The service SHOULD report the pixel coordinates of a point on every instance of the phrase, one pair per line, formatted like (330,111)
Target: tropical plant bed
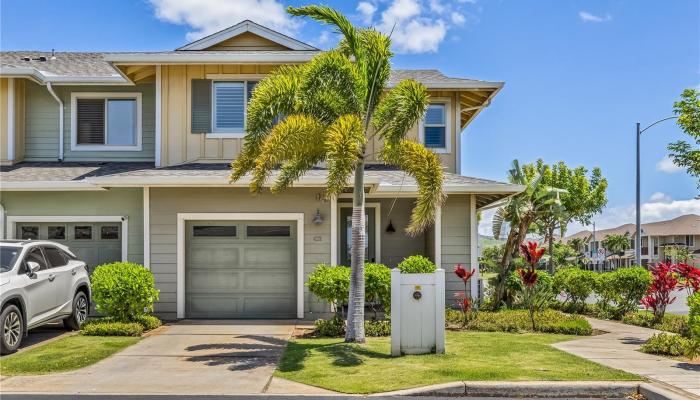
(65,354)
(470,356)
(547,321)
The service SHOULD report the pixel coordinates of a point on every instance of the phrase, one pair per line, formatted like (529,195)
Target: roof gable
(247,35)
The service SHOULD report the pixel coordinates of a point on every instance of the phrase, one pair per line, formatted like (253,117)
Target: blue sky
(578,74)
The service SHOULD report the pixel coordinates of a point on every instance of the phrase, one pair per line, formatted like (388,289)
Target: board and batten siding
(455,242)
(42,124)
(127,202)
(166,203)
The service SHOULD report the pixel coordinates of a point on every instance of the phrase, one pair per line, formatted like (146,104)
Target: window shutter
(91,121)
(201,105)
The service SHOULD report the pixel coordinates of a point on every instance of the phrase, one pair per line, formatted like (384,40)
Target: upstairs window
(435,127)
(106,121)
(230,103)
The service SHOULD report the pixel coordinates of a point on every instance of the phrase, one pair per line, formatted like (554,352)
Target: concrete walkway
(618,349)
(186,358)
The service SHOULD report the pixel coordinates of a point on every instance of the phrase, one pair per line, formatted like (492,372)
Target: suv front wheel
(12,329)
(81,307)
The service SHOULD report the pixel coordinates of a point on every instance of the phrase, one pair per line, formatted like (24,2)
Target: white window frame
(74,146)
(220,78)
(448,126)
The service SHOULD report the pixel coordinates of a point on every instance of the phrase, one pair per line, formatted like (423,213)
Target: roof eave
(194,57)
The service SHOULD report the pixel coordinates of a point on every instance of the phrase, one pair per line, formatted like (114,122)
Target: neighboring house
(124,156)
(683,231)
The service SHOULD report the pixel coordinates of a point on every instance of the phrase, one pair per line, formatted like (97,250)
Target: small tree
(659,293)
(616,244)
(684,154)
(534,301)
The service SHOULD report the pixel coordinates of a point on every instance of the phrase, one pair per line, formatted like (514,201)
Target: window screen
(121,122)
(229,106)
(214,230)
(90,121)
(268,231)
(434,126)
(30,232)
(55,257)
(109,232)
(83,232)
(57,232)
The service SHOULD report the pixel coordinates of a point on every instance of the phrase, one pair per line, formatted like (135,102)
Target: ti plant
(659,295)
(464,302)
(534,301)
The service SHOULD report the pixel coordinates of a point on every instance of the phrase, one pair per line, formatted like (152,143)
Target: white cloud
(667,165)
(367,10)
(457,18)
(437,7)
(467,1)
(208,16)
(588,17)
(659,197)
(412,31)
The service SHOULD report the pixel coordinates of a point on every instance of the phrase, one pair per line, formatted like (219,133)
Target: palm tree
(521,211)
(616,244)
(577,244)
(331,107)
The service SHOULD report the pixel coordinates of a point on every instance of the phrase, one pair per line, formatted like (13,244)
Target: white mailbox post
(417,313)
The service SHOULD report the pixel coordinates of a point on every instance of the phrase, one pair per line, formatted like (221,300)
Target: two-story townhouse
(124,156)
(656,238)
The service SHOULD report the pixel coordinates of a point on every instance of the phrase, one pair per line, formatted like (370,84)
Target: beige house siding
(166,203)
(455,241)
(179,145)
(18,106)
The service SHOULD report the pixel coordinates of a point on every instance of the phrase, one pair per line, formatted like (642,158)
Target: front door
(346,235)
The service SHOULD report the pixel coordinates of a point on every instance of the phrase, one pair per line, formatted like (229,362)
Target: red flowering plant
(689,277)
(464,302)
(533,299)
(664,281)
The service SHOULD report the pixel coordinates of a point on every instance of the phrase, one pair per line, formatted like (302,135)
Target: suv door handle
(52,277)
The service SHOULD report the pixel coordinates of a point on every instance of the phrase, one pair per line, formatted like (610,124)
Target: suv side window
(37,256)
(55,257)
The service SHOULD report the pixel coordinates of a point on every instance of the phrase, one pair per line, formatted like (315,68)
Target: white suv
(40,282)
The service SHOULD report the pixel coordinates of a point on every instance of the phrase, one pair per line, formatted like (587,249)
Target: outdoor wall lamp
(318,218)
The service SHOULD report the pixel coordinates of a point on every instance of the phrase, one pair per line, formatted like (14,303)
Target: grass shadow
(342,354)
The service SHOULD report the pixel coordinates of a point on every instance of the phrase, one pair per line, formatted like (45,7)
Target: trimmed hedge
(335,327)
(548,321)
(101,328)
(416,265)
(671,323)
(148,322)
(666,344)
(123,290)
(145,321)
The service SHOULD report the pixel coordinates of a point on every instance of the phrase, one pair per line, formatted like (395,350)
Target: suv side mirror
(33,268)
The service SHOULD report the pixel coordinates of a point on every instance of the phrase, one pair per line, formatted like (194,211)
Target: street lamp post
(638,234)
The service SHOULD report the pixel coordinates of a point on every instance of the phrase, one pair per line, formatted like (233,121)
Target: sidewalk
(618,349)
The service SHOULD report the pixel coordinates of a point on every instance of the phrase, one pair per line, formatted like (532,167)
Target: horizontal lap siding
(113,202)
(166,203)
(455,242)
(41,131)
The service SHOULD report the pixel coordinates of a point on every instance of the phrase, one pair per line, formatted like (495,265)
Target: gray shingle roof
(65,63)
(430,77)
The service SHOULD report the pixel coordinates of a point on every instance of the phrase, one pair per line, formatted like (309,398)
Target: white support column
(334,230)
(438,237)
(158,116)
(474,246)
(10,119)
(458,135)
(147,227)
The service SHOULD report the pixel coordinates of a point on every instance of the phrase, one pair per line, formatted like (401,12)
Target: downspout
(60,120)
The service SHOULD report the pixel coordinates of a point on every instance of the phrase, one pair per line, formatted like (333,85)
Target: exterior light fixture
(318,218)
(390,228)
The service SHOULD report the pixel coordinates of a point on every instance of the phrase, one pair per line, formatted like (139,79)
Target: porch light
(390,228)
(318,218)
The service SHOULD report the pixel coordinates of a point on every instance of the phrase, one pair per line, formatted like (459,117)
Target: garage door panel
(240,276)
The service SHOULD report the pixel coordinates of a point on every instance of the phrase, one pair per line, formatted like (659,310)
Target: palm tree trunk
(355,331)
(514,240)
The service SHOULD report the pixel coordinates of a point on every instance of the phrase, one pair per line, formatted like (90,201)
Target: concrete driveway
(188,357)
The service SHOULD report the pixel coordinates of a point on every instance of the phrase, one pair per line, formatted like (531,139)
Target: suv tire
(81,308)
(12,329)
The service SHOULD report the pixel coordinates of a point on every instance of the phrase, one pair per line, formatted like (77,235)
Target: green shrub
(330,283)
(378,284)
(101,328)
(416,265)
(629,285)
(666,344)
(123,290)
(671,322)
(549,321)
(694,316)
(334,327)
(378,328)
(576,284)
(148,322)
(603,287)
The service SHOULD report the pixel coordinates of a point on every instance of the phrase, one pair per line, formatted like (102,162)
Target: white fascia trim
(465,188)
(465,85)
(123,219)
(247,26)
(11,119)
(159,107)
(473,247)
(47,186)
(377,230)
(194,57)
(74,96)
(183,217)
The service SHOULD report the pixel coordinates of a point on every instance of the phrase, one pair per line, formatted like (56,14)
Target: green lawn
(65,354)
(470,356)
